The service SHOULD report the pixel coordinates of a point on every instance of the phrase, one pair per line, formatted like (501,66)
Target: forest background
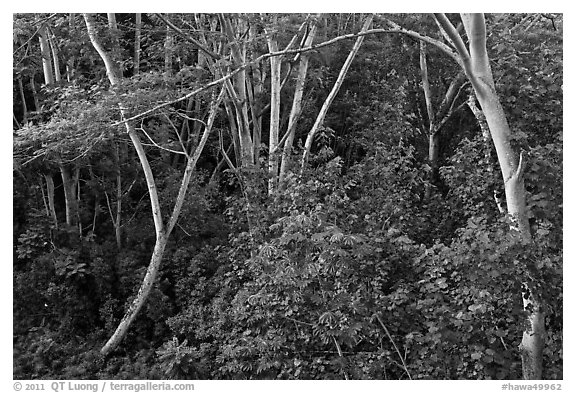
(339,369)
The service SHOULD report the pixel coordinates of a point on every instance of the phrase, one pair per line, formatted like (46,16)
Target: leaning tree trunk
(476,64)
(162,231)
(322,114)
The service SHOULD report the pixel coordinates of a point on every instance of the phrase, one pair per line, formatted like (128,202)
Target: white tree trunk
(333,92)
(46,58)
(162,231)
(275,67)
(137,38)
(476,64)
(296,105)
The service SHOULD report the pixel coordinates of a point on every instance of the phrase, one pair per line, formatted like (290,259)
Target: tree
(162,230)
(322,114)
(476,64)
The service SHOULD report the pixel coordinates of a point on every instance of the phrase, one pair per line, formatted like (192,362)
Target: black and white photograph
(321,196)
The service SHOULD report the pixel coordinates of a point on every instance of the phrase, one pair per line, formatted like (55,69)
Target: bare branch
(188,38)
(157,145)
(445,48)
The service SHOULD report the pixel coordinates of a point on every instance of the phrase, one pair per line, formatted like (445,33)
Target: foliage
(349,269)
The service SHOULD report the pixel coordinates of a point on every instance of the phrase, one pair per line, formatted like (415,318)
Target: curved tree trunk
(162,231)
(476,64)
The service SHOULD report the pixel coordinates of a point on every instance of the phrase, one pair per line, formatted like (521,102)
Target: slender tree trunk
(23,98)
(46,60)
(50,195)
(118,220)
(71,60)
(137,39)
(296,105)
(162,231)
(476,64)
(333,92)
(69,183)
(55,57)
(238,93)
(433,137)
(168,49)
(433,158)
(275,67)
(34,93)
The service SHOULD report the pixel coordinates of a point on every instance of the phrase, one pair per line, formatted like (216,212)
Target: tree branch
(188,38)
(445,48)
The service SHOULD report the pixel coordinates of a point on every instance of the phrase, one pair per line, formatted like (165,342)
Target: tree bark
(238,95)
(168,49)
(333,92)
(275,67)
(433,137)
(55,57)
(71,60)
(69,183)
(34,93)
(23,98)
(137,39)
(50,195)
(46,60)
(476,64)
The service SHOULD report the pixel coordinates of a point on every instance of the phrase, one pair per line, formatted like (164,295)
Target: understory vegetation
(369,259)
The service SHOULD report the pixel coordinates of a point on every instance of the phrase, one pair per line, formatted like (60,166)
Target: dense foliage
(350,269)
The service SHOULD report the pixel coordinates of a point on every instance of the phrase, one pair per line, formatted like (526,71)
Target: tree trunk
(141,297)
(476,64)
(69,184)
(275,67)
(118,220)
(237,93)
(23,98)
(50,194)
(296,105)
(433,137)
(162,231)
(55,57)
(70,62)
(433,157)
(46,60)
(168,49)
(34,93)
(333,92)
(137,39)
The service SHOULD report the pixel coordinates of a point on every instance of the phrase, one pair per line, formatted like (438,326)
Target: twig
(394,344)
(340,354)
(157,145)
(399,30)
